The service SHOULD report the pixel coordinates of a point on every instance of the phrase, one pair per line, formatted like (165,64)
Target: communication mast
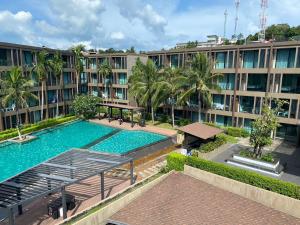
(263,20)
(237,5)
(225,23)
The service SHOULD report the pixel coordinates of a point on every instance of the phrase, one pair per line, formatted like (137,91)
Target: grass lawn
(160,124)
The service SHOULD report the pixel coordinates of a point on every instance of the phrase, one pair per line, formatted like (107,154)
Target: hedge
(212,145)
(232,131)
(34,127)
(176,161)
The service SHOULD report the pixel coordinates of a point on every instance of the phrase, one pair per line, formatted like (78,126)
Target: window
(250,59)
(257,82)
(221,59)
(285,58)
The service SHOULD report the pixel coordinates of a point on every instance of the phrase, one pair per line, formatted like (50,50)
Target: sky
(120,24)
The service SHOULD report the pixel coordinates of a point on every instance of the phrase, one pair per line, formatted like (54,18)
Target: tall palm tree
(104,70)
(78,53)
(56,64)
(17,91)
(142,84)
(169,87)
(200,78)
(41,68)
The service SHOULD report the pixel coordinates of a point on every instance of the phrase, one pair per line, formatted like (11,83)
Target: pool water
(15,158)
(125,141)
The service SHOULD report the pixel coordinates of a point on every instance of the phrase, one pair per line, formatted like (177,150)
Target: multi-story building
(115,86)
(26,57)
(250,74)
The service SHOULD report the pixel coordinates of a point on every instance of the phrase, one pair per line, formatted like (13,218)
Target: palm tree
(104,70)
(142,84)
(17,91)
(41,68)
(56,65)
(78,50)
(169,88)
(200,78)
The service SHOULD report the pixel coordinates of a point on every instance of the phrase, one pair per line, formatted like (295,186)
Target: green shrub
(248,177)
(212,124)
(236,132)
(35,127)
(210,146)
(175,160)
(164,119)
(184,122)
(268,157)
(85,106)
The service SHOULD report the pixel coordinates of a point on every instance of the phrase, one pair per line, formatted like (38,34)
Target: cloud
(145,24)
(117,35)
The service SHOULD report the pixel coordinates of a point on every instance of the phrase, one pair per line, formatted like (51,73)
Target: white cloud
(145,24)
(117,35)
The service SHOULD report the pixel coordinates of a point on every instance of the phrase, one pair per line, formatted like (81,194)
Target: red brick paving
(183,200)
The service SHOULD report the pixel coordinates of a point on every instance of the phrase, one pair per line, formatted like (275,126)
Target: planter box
(274,169)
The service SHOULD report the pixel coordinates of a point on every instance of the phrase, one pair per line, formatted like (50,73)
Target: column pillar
(64,202)
(132,118)
(102,185)
(131,173)
(11,217)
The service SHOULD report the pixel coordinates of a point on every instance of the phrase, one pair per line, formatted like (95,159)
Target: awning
(200,130)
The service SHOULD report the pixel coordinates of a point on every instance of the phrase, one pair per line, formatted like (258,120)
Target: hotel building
(251,72)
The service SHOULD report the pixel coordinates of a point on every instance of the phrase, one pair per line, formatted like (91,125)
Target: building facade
(114,87)
(250,74)
(25,57)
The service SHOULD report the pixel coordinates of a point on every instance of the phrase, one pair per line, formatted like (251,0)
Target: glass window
(285,58)
(290,83)
(262,58)
(250,59)
(221,58)
(257,82)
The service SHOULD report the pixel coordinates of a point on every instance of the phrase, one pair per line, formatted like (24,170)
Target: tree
(131,50)
(41,68)
(142,84)
(85,106)
(56,65)
(200,79)
(264,126)
(169,87)
(77,51)
(17,92)
(104,70)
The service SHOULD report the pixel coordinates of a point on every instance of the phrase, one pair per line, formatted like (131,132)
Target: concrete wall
(101,216)
(270,199)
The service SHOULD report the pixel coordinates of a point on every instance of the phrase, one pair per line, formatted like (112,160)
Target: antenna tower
(225,23)
(237,6)
(263,20)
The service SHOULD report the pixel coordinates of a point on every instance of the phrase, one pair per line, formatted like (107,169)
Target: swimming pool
(125,141)
(16,158)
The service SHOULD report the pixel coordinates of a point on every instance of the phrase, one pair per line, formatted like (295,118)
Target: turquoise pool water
(15,158)
(125,141)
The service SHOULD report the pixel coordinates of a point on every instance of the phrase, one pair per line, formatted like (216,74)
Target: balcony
(257,82)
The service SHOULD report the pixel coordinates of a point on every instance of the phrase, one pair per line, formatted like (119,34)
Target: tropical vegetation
(85,106)
(78,54)
(17,91)
(142,84)
(41,68)
(104,70)
(201,80)
(56,65)
(264,126)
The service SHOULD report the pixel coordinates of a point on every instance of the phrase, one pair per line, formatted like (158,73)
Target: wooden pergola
(132,109)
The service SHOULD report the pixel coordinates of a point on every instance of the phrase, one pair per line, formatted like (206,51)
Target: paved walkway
(180,199)
(127,126)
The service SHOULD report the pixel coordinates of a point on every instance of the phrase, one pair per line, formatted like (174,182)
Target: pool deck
(127,126)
